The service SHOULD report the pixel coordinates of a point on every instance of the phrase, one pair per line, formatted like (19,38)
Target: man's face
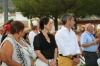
(90,28)
(72,22)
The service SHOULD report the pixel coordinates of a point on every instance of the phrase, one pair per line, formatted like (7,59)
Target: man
(89,44)
(67,43)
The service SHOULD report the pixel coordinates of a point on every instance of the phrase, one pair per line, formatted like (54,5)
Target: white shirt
(67,42)
(0,38)
(31,38)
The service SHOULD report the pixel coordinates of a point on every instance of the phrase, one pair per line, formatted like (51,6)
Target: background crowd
(41,48)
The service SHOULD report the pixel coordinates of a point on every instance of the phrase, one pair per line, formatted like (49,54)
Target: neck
(44,31)
(89,31)
(16,36)
(7,33)
(35,31)
(68,27)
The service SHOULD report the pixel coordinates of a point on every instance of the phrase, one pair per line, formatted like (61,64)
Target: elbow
(6,60)
(38,53)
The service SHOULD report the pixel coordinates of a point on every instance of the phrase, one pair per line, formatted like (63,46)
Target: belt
(74,56)
(62,55)
(89,52)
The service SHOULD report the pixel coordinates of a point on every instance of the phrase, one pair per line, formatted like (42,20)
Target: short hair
(16,27)
(66,17)
(87,25)
(43,21)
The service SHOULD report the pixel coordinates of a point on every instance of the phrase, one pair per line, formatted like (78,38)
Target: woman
(79,32)
(6,27)
(14,50)
(26,37)
(45,45)
(34,32)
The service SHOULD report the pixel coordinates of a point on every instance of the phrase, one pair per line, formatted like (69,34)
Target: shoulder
(84,34)
(11,40)
(51,35)
(37,36)
(31,33)
(60,31)
(7,42)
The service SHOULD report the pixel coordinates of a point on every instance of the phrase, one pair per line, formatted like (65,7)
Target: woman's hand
(53,63)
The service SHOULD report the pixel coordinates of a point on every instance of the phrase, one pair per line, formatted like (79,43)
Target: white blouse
(27,52)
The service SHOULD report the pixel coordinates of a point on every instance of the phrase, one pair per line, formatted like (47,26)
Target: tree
(44,8)
(55,8)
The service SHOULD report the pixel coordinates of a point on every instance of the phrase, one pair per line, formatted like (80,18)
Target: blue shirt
(88,37)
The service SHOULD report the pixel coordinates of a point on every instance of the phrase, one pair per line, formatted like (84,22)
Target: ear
(68,21)
(44,26)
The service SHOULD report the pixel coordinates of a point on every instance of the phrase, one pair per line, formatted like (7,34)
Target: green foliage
(56,8)
(86,7)
(83,65)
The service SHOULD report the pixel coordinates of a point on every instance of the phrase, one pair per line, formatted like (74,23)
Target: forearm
(12,63)
(32,62)
(88,44)
(41,57)
(55,54)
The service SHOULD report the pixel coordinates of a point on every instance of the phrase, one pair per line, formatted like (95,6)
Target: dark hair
(8,22)
(66,17)
(16,27)
(25,35)
(43,21)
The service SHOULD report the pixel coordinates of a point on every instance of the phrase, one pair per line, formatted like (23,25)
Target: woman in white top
(34,32)
(14,50)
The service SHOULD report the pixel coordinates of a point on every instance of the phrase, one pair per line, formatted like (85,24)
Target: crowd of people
(39,47)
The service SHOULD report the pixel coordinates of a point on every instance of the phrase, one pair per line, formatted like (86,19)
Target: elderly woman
(45,45)
(14,50)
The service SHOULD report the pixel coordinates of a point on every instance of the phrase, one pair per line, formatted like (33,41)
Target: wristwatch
(74,57)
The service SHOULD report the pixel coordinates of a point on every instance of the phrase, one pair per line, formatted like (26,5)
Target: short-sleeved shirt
(88,37)
(46,48)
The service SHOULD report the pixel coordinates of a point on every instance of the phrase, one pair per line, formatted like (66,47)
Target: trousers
(41,63)
(65,61)
(90,58)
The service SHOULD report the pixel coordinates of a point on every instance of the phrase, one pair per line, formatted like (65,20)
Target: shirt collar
(66,28)
(88,32)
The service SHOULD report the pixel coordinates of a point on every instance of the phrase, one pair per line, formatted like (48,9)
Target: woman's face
(48,26)
(21,33)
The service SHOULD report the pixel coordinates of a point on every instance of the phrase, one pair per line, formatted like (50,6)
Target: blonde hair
(32,26)
(79,31)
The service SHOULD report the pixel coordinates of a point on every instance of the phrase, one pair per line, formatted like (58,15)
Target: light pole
(5,10)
